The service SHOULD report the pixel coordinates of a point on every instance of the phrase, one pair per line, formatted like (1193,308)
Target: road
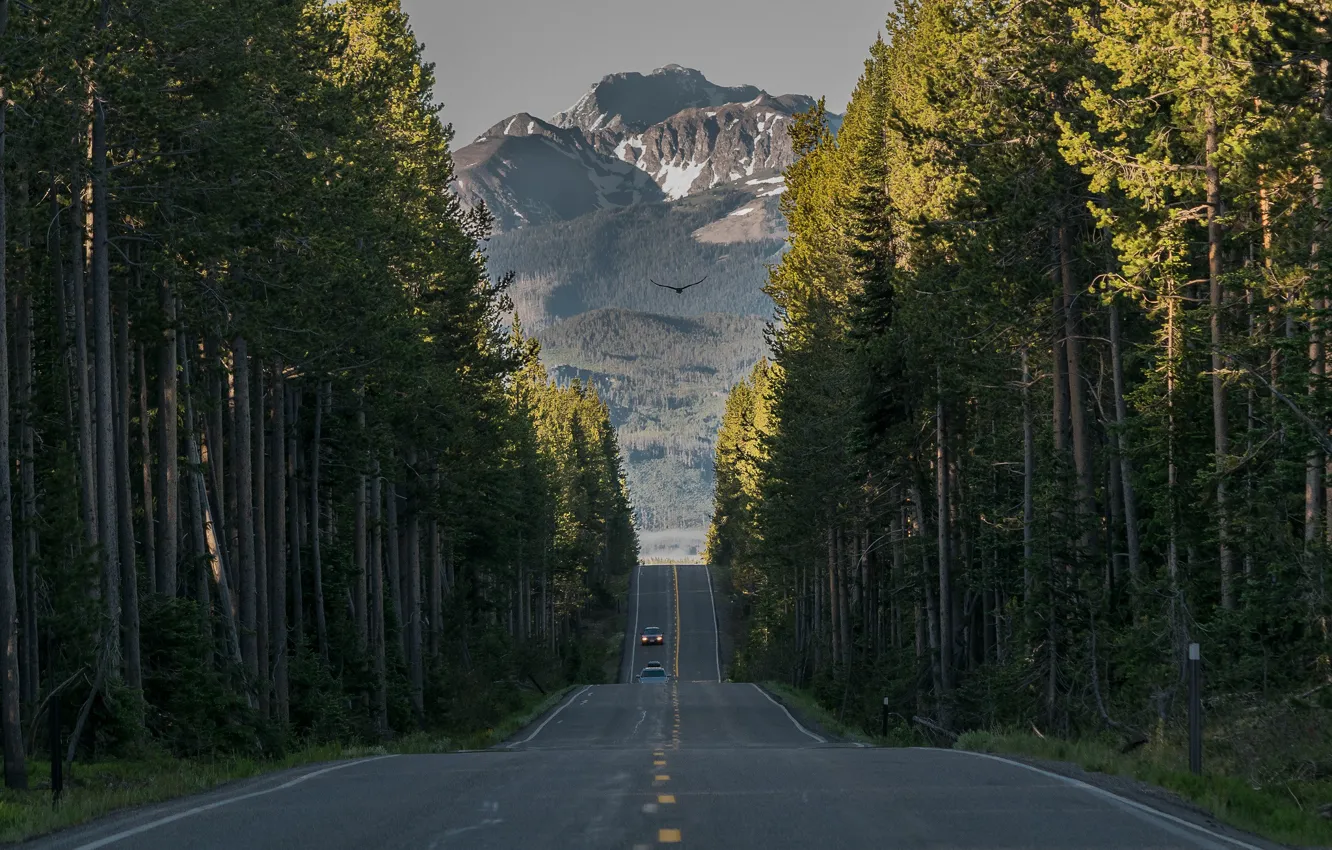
(699,762)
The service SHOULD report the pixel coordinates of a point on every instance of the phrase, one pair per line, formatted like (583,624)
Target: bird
(679,289)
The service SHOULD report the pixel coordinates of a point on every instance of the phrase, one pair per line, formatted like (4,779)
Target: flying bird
(679,289)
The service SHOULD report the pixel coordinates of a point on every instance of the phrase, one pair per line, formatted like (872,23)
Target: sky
(497,57)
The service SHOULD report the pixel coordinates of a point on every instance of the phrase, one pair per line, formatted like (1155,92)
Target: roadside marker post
(1195,709)
(883,730)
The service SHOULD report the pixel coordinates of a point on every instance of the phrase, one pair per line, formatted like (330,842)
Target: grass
(95,789)
(1286,813)
(806,707)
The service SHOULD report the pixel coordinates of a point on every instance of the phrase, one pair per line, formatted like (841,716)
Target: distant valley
(664,176)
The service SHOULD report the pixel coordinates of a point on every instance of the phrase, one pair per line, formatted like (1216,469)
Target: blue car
(653,676)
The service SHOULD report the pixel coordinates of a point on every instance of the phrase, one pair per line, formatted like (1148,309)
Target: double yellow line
(675,578)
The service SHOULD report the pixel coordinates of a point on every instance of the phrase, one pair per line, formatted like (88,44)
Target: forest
(1048,398)
(273,469)
(664,379)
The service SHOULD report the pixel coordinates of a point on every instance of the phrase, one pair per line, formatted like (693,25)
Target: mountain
(528,171)
(631,139)
(663,176)
(636,101)
(605,259)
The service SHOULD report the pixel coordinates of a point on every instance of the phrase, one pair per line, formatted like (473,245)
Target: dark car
(652,635)
(653,676)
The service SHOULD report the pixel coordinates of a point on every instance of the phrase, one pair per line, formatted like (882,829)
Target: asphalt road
(699,762)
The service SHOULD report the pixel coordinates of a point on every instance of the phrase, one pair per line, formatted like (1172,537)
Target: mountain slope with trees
(277,472)
(664,380)
(1049,397)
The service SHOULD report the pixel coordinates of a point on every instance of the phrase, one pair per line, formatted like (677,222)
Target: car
(654,664)
(654,676)
(652,635)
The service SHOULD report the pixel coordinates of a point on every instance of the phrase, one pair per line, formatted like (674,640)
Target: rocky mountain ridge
(632,138)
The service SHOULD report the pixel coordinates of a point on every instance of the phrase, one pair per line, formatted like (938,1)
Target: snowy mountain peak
(635,101)
(630,138)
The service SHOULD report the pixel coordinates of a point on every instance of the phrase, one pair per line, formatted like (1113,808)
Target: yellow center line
(665,798)
(675,578)
(662,777)
(668,836)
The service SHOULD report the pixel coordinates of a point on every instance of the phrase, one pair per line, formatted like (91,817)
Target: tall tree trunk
(277,558)
(394,570)
(56,256)
(413,617)
(378,631)
(146,462)
(294,504)
(211,512)
(87,446)
(927,588)
(1077,411)
(259,406)
(249,601)
(434,606)
(1121,449)
(316,564)
(945,558)
(1214,273)
(11,729)
(202,589)
(168,443)
(1028,481)
(359,544)
(845,585)
(105,387)
(834,610)
(129,574)
(28,669)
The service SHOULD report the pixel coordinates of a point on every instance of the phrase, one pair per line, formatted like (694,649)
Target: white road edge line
(716,633)
(138,830)
(788,715)
(553,715)
(1123,802)
(633,646)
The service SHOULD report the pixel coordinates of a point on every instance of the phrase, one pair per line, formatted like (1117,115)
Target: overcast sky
(497,57)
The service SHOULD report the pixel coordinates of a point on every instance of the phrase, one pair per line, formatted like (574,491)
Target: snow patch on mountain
(677,179)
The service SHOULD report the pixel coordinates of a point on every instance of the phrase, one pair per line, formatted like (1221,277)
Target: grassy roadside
(1286,813)
(99,788)
(811,713)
